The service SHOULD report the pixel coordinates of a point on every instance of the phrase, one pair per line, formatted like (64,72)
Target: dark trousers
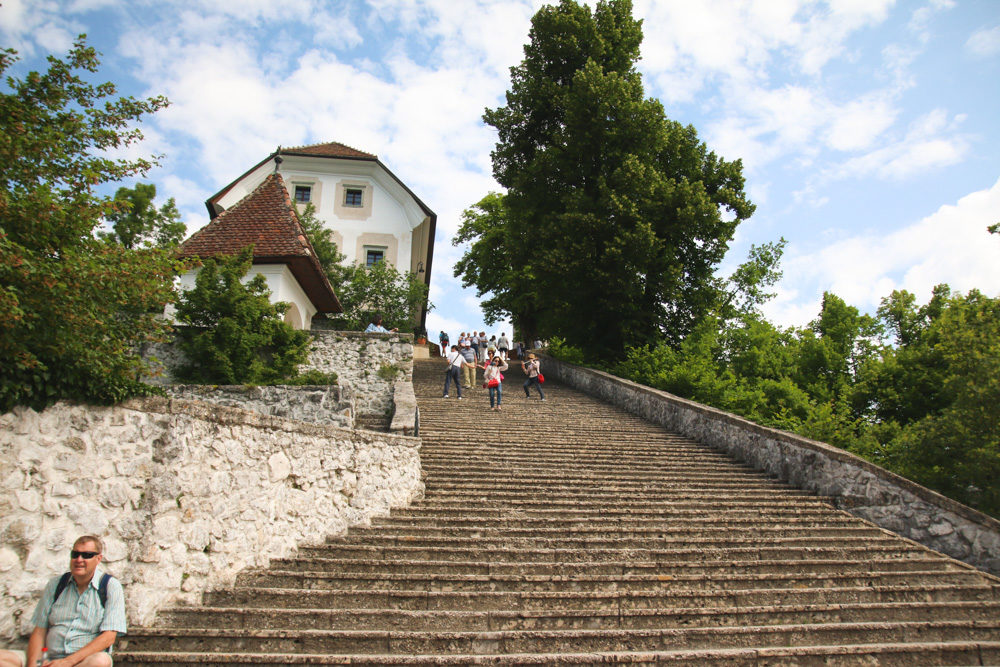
(452,374)
(533,381)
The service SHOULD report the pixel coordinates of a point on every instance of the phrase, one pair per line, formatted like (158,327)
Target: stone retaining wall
(368,366)
(316,404)
(857,486)
(187,494)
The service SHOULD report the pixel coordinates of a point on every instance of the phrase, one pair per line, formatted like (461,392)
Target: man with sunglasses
(79,625)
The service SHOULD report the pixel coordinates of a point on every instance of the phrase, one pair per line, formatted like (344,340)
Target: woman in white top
(493,374)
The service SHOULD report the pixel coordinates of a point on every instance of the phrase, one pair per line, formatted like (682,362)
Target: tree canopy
(136,222)
(73,309)
(615,217)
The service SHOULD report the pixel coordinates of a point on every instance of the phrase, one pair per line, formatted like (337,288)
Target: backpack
(102,588)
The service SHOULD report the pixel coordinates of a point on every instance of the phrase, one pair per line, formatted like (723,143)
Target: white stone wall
(357,358)
(315,404)
(185,494)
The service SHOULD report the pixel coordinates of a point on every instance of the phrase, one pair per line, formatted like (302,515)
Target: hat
(531,356)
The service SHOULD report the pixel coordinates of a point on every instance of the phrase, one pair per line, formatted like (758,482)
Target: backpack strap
(102,587)
(61,586)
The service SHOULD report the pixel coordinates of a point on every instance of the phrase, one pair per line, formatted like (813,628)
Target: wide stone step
(889,549)
(597,582)
(707,505)
(593,536)
(886,655)
(485,621)
(624,538)
(425,512)
(225,640)
(601,600)
(610,567)
(600,523)
(614,494)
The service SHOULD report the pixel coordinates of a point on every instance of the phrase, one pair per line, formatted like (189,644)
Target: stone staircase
(570,532)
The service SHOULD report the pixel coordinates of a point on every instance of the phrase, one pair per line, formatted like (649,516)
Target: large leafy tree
(73,309)
(496,267)
(136,222)
(616,216)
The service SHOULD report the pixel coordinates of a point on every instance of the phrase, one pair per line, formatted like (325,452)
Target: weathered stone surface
(315,404)
(368,368)
(195,493)
(860,487)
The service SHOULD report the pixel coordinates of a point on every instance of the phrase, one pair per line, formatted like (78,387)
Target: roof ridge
(324,144)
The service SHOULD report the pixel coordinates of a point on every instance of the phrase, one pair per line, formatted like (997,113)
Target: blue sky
(869,129)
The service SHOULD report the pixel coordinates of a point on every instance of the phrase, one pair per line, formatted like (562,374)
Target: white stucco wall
(393,211)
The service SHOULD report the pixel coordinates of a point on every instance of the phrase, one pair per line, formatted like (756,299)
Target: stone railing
(855,485)
(186,494)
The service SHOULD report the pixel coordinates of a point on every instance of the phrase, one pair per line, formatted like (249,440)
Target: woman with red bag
(493,374)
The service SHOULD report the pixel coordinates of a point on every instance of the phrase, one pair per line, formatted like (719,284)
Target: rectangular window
(374,256)
(352,197)
(303,193)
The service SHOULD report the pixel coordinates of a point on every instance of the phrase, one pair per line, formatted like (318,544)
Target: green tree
(73,310)
(235,335)
(954,447)
(329,256)
(381,289)
(489,264)
(614,214)
(136,222)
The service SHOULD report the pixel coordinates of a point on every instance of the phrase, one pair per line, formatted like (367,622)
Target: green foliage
(562,350)
(312,377)
(613,222)
(388,372)
(489,263)
(381,289)
(136,222)
(923,407)
(235,335)
(321,237)
(73,310)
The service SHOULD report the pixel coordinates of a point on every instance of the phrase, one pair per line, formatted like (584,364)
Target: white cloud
(689,43)
(859,123)
(985,42)
(949,246)
(931,142)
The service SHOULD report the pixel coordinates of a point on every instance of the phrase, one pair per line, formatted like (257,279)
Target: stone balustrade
(186,494)
(855,485)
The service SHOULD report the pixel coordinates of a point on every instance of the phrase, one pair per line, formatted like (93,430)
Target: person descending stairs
(571,532)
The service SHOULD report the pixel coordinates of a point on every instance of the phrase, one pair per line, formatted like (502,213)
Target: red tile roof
(266,219)
(331,149)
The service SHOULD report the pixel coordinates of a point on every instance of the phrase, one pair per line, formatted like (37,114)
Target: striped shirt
(76,619)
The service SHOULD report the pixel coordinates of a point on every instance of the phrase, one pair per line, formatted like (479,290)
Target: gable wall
(390,211)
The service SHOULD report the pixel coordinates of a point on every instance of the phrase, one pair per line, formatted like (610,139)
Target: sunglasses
(85,555)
